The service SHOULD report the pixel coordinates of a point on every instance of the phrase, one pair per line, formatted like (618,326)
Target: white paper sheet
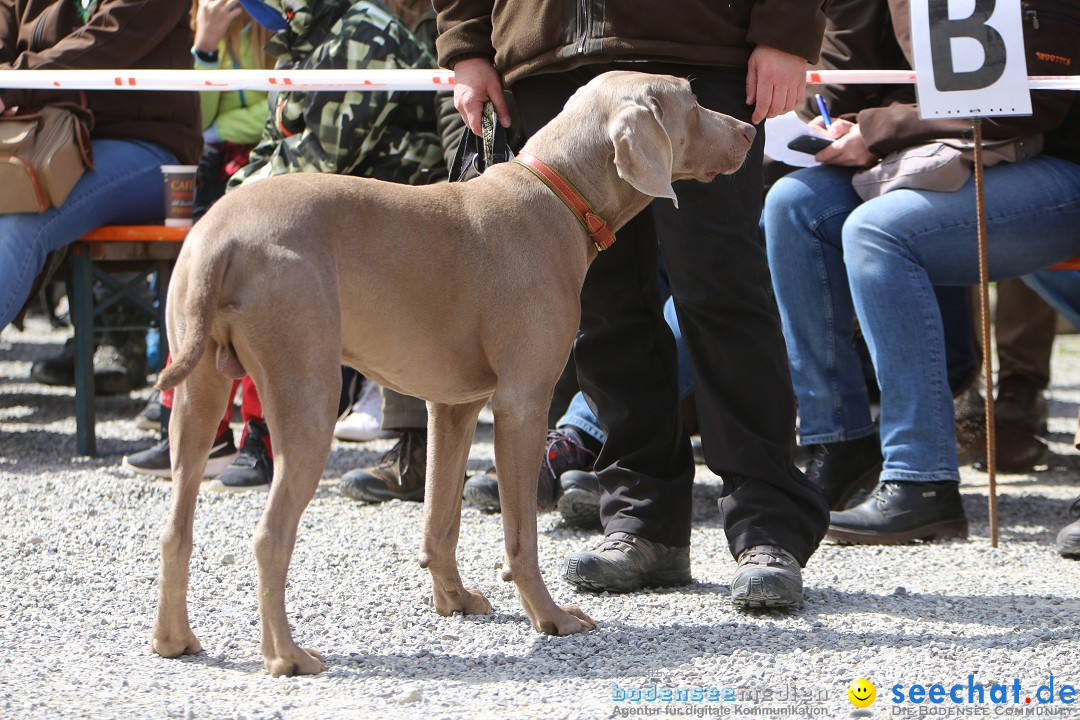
(779,131)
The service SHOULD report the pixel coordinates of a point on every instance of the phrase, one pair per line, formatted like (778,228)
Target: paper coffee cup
(179,193)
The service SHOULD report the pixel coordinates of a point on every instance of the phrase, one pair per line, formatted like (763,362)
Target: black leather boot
(842,469)
(900,512)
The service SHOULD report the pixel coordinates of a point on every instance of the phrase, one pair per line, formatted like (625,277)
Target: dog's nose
(749,132)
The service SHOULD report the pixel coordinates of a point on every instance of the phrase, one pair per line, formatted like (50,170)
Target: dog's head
(660,133)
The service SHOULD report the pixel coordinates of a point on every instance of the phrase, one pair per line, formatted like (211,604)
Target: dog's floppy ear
(643,154)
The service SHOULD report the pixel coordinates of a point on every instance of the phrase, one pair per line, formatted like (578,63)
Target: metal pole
(988,355)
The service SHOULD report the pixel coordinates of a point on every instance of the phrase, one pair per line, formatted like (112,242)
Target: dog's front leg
(519,441)
(450,433)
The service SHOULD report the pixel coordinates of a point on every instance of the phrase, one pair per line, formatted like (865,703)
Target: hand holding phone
(810,144)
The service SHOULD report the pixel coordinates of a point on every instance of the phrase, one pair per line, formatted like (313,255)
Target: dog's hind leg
(299,402)
(197,408)
(520,427)
(450,433)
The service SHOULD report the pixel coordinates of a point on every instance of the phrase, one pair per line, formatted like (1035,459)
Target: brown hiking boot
(398,476)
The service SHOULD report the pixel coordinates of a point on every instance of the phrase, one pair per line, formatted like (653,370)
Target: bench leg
(82,317)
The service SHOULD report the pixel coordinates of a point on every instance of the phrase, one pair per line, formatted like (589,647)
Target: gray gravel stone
(78,592)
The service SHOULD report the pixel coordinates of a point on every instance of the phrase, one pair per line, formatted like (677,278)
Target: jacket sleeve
(794,26)
(209,100)
(897,124)
(244,125)
(464,30)
(9,31)
(118,34)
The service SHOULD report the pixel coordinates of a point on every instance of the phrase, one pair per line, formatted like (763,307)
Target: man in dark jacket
(746,59)
(133,133)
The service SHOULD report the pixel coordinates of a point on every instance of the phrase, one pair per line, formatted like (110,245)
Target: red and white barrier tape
(361,80)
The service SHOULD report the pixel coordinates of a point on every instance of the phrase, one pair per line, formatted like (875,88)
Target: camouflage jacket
(386,135)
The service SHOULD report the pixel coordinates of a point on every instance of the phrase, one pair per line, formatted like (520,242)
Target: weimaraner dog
(458,293)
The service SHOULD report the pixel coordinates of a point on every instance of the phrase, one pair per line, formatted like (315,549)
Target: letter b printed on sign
(969,58)
(947,35)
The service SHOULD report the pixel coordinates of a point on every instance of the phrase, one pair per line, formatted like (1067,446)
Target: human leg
(899,245)
(253,466)
(124,187)
(579,491)
(1060,289)
(626,366)
(157,459)
(773,516)
(400,473)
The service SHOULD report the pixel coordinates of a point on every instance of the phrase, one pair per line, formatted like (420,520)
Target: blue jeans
(835,259)
(125,187)
(1061,291)
(580,416)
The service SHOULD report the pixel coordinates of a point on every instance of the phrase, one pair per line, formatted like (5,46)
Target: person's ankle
(586,440)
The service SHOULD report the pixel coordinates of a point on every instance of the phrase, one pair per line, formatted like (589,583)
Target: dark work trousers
(626,360)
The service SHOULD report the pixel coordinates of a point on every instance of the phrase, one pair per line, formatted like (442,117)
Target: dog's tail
(197,315)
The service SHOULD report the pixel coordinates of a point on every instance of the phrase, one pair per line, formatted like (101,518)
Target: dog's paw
(299,661)
(567,620)
(171,646)
(469,601)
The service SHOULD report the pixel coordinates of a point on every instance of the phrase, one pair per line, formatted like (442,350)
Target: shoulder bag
(42,155)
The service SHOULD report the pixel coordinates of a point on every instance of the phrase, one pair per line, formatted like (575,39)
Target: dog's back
(361,249)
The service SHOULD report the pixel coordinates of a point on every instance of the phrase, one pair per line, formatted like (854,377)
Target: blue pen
(824,109)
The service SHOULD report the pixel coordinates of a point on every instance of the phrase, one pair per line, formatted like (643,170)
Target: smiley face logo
(862,693)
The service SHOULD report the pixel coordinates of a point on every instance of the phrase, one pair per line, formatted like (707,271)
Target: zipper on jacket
(1034,15)
(37,33)
(586,26)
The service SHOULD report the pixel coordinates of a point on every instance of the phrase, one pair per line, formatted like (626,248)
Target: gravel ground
(78,564)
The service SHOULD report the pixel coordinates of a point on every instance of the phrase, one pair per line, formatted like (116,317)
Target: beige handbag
(942,165)
(42,156)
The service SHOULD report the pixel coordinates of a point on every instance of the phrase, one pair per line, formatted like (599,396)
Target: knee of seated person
(799,203)
(871,231)
(790,195)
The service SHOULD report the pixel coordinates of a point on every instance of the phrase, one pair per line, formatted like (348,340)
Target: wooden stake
(988,355)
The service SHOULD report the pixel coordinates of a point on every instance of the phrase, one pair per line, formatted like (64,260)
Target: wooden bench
(99,256)
(1070,264)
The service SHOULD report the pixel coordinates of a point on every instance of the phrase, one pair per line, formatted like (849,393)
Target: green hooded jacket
(390,136)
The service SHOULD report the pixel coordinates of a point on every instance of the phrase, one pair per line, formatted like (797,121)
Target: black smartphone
(811,144)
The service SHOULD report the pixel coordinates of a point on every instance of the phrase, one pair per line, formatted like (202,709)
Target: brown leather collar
(599,231)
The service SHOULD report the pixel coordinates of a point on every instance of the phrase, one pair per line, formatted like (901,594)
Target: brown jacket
(49,34)
(532,36)
(858,36)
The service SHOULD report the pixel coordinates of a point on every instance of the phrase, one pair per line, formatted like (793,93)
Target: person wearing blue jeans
(835,258)
(838,258)
(132,134)
(1061,290)
(125,187)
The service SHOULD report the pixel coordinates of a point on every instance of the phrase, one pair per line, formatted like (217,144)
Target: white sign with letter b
(969,58)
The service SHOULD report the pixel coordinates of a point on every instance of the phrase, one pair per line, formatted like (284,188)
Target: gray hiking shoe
(624,563)
(767,577)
